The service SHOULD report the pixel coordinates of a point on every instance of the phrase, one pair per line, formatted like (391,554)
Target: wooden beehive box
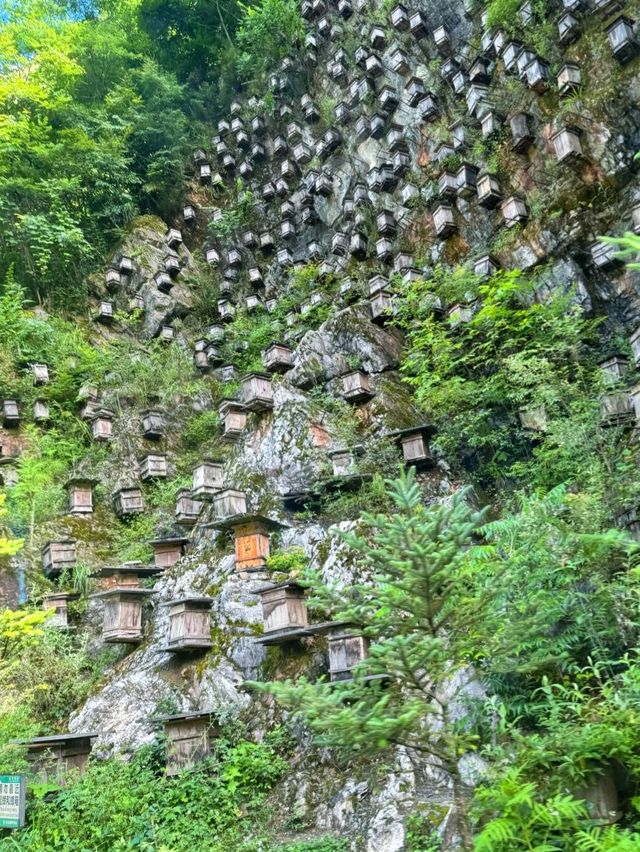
(252,546)
(8,473)
(80,496)
(102,426)
(283,607)
(613,369)
(189,624)
(105,313)
(187,740)
(125,576)
(52,758)
(566,142)
(485,266)
(514,211)
(356,387)
(634,342)
(277,358)
(153,466)
(122,618)
(208,479)
(382,307)
(346,650)
(488,189)
(569,79)
(234,418)
(229,503)
(414,443)
(58,601)
(443,220)
(622,39)
(257,392)
(251,534)
(40,374)
(112,279)
(187,509)
(616,409)
(10,413)
(167,551)
(153,424)
(40,411)
(128,501)
(460,314)
(58,556)
(174,238)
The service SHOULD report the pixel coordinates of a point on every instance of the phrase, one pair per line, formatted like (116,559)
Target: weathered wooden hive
(251,539)
(233,415)
(168,550)
(58,556)
(277,358)
(10,413)
(105,313)
(52,759)
(533,418)
(207,479)
(102,425)
(8,472)
(569,79)
(566,143)
(284,612)
(229,503)
(189,624)
(356,387)
(616,409)
(486,266)
(488,189)
(58,601)
(187,509)
(128,501)
(153,424)
(346,645)
(514,211)
(80,491)
(153,466)
(414,443)
(41,413)
(257,392)
(613,368)
(40,374)
(125,576)
(187,738)
(122,620)
(343,461)
(622,39)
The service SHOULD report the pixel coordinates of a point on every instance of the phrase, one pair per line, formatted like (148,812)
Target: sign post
(12,797)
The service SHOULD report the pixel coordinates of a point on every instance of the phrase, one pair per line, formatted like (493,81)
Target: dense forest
(499,606)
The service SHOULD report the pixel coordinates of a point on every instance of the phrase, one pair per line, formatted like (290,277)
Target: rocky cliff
(396,140)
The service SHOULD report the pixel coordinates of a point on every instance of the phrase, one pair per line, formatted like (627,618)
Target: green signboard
(12,795)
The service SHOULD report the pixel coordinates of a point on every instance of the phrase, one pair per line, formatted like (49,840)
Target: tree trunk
(462,815)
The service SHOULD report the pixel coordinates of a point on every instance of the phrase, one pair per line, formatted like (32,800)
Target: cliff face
(396,141)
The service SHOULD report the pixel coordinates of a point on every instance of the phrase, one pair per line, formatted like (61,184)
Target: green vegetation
(267,33)
(507,634)
(98,113)
(117,805)
(551,647)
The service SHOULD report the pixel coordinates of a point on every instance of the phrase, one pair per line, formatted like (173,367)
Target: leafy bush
(291,561)
(266,34)
(215,806)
